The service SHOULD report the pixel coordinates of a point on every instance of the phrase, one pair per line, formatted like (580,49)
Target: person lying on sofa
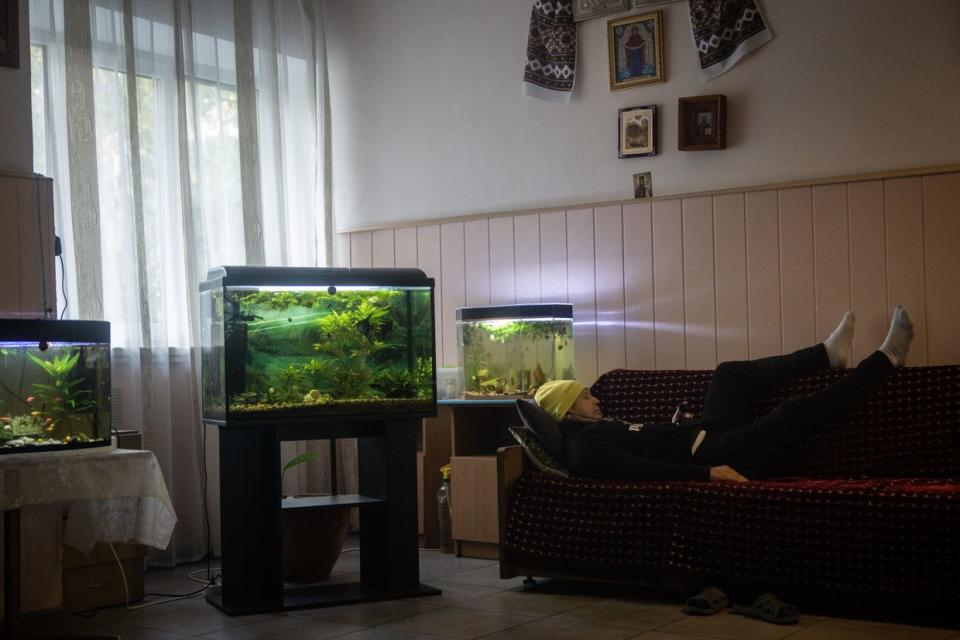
(722,444)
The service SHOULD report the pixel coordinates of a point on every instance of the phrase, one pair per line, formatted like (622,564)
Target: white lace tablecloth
(115,495)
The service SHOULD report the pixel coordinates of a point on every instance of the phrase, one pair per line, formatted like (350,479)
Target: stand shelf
(250,506)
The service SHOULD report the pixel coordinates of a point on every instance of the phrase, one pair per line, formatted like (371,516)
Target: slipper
(770,608)
(707,602)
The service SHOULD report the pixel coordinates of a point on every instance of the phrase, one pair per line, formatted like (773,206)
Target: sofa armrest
(512,463)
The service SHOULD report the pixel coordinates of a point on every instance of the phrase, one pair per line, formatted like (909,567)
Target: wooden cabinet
(473,430)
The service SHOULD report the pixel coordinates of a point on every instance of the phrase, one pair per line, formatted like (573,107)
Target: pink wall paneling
(502,269)
(868,266)
(763,274)
(526,243)
(730,259)
(638,286)
(668,295)
(581,289)
(691,282)
(611,345)
(383,248)
(699,284)
(453,268)
(797,300)
(476,239)
(903,207)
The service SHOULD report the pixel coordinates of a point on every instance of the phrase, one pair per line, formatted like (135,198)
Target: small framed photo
(643,185)
(702,123)
(637,131)
(587,9)
(636,50)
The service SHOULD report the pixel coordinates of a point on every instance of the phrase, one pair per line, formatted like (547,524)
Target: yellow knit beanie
(557,396)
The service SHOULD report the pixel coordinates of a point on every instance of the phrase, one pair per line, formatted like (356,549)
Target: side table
(473,430)
(111,495)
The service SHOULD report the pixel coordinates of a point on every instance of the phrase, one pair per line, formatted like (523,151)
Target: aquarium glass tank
(299,342)
(54,385)
(510,350)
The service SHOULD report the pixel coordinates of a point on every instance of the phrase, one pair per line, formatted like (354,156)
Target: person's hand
(726,473)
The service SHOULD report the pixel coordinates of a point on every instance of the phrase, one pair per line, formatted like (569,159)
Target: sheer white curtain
(181,135)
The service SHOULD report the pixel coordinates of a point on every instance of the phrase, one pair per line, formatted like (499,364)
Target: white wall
(428,120)
(16,132)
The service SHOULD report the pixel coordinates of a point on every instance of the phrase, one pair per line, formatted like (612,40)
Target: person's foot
(839,343)
(898,340)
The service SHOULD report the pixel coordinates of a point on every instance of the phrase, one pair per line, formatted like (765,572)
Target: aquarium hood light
(32,344)
(527,312)
(325,288)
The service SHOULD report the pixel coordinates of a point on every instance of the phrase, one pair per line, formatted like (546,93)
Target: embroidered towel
(724,31)
(551,51)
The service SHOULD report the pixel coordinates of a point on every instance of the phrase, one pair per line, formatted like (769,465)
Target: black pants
(756,448)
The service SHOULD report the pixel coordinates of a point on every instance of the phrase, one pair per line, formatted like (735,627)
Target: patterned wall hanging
(724,31)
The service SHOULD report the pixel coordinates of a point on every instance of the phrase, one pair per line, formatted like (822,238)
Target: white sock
(897,343)
(839,343)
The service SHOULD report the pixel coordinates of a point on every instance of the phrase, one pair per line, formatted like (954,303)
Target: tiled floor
(475,603)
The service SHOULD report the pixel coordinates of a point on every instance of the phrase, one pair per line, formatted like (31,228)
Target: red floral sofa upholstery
(868,509)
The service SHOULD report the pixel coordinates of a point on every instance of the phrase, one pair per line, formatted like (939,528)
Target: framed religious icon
(643,185)
(587,9)
(9,34)
(702,123)
(636,50)
(637,131)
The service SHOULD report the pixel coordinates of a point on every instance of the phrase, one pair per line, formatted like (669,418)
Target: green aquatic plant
(309,456)
(64,401)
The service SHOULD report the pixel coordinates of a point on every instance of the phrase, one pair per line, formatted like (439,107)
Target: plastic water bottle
(443,512)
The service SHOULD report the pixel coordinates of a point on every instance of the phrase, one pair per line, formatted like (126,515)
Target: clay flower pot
(312,541)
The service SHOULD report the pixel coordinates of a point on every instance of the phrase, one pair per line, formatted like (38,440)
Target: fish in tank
(54,385)
(510,350)
(287,341)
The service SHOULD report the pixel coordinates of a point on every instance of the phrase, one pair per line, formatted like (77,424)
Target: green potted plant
(312,538)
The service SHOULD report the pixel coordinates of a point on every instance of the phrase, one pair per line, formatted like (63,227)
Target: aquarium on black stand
(292,354)
(54,385)
(284,342)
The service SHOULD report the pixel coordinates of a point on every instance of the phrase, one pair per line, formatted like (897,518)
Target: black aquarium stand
(251,505)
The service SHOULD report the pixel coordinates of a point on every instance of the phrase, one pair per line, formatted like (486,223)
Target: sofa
(867,511)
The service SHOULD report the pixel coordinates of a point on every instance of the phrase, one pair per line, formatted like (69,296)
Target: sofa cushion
(535,450)
(542,425)
(880,535)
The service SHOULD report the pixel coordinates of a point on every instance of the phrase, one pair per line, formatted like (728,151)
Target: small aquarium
(54,385)
(510,350)
(299,342)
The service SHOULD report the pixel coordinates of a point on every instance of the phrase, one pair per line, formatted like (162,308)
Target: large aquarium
(297,342)
(54,385)
(510,350)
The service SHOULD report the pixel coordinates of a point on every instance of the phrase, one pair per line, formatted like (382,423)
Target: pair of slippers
(766,607)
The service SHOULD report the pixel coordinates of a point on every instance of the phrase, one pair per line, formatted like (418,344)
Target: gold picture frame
(632,42)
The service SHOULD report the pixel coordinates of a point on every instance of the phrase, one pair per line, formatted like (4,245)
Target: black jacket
(611,450)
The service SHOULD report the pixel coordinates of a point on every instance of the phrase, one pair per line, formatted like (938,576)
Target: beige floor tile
(379,633)
(527,603)
(488,576)
(625,613)
(459,623)
(128,632)
(555,629)
(368,614)
(283,627)
(733,627)
(662,635)
(453,593)
(836,629)
(193,618)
